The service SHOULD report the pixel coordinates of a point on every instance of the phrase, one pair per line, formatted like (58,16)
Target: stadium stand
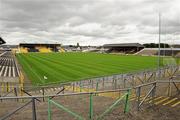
(43,48)
(8,67)
(147,51)
(23,50)
(163,51)
(126,48)
(178,54)
(61,50)
(33,50)
(2,41)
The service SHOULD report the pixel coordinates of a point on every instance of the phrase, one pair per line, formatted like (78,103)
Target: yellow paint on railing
(2,87)
(175,104)
(170,101)
(7,86)
(156,99)
(156,103)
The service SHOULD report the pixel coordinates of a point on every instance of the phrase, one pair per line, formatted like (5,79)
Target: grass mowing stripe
(49,67)
(122,68)
(53,65)
(70,66)
(41,71)
(90,67)
(26,67)
(65,67)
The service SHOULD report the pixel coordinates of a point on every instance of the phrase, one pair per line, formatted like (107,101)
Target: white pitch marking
(5,71)
(9,71)
(13,71)
(1,70)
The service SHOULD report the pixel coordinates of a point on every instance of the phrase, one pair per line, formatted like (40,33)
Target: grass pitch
(66,67)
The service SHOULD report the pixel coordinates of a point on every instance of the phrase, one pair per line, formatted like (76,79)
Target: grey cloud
(98,21)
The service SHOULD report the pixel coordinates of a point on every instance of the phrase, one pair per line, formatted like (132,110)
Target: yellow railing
(21,83)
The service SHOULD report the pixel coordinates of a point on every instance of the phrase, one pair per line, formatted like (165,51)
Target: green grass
(65,67)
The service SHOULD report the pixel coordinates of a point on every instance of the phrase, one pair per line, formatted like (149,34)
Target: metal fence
(86,105)
(78,105)
(95,84)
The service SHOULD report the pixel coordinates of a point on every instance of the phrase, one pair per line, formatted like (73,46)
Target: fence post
(73,86)
(115,86)
(97,85)
(145,76)
(154,76)
(43,94)
(91,107)
(138,94)
(1,99)
(92,83)
(2,87)
(133,84)
(33,109)
(80,86)
(7,87)
(63,89)
(124,82)
(49,109)
(15,92)
(154,92)
(126,108)
(103,83)
(169,87)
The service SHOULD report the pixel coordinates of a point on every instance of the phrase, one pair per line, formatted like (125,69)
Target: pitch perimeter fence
(93,84)
(108,104)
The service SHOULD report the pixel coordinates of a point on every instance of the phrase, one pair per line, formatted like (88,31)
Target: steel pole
(159,45)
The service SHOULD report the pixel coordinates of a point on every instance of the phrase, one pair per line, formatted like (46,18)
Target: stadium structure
(54,81)
(39,47)
(2,41)
(127,48)
(9,72)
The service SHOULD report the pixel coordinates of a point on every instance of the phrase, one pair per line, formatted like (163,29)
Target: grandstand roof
(123,45)
(2,41)
(38,44)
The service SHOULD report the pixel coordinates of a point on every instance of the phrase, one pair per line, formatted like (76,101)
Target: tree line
(154,45)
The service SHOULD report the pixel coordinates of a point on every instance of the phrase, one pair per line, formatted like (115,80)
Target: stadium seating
(147,52)
(44,49)
(8,67)
(178,54)
(61,50)
(168,52)
(154,51)
(23,50)
(33,50)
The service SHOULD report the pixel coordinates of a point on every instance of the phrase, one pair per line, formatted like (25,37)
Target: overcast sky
(89,22)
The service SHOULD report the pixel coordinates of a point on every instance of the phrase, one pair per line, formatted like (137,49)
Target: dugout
(30,47)
(127,48)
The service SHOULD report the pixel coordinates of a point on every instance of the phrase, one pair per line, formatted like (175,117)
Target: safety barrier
(143,93)
(110,108)
(51,102)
